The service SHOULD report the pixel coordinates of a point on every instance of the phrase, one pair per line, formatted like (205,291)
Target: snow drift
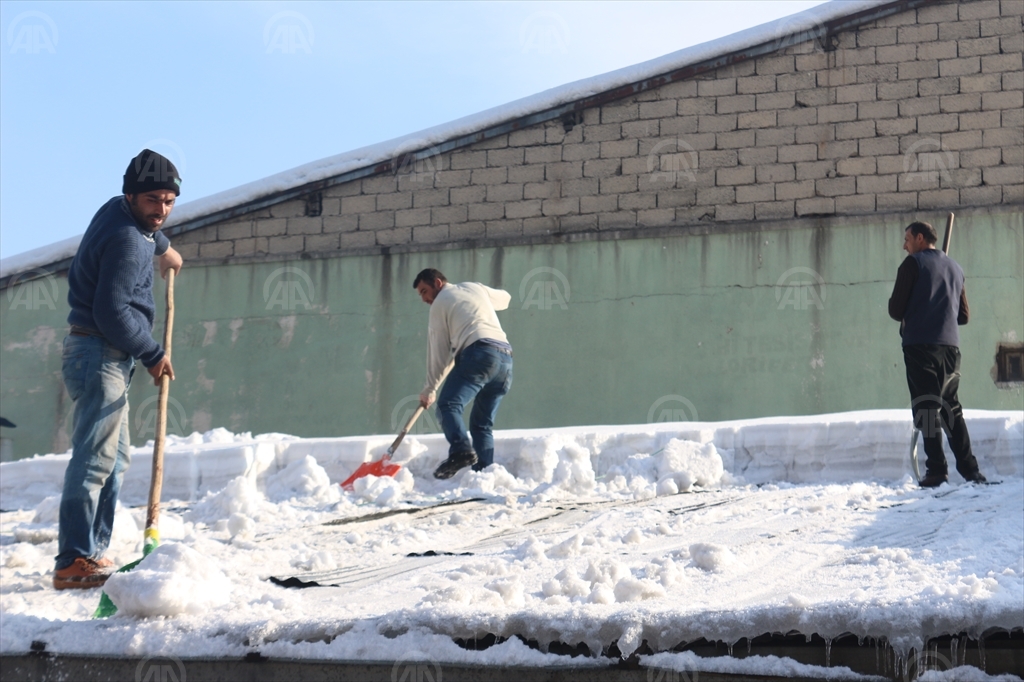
(656,533)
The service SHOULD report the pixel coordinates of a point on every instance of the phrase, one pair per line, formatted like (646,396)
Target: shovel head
(382,467)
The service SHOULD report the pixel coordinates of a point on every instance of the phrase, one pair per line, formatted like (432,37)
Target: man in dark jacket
(930,301)
(112,313)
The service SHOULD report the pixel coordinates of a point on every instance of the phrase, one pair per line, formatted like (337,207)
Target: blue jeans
(97,376)
(482,372)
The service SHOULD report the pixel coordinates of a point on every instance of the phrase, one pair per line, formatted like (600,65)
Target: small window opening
(314,204)
(570,120)
(1010,363)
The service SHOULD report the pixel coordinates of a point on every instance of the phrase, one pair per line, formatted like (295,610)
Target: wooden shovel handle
(156,480)
(408,425)
(949,234)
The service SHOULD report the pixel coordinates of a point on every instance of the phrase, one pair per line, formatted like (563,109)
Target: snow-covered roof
(333,166)
(646,533)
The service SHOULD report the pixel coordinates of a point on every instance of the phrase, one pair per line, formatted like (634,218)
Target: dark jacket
(111,281)
(930,299)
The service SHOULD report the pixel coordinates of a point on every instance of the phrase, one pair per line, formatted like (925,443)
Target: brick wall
(921,110)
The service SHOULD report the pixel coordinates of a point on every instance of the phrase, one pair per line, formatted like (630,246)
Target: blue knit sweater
(111,281)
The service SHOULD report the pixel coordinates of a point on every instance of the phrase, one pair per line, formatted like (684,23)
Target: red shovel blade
(382,467)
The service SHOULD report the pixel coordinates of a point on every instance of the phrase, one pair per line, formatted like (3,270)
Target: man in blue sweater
(112,313)
(930,300)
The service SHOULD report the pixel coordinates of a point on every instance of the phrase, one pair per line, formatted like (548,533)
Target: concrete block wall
(923,110)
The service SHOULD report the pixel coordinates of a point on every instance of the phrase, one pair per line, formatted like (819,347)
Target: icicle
(877,662)
(952,650)
(981,651)
(730,645)
(828,652)
(748,645)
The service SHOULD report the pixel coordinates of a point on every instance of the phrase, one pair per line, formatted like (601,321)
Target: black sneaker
(451,466)
(933,480)
(978,477)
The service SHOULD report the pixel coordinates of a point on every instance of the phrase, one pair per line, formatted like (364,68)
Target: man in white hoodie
(466,343)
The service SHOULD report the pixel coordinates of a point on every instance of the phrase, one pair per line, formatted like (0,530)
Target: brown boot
(84,574)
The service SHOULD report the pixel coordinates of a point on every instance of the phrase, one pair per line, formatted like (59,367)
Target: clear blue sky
(236,91)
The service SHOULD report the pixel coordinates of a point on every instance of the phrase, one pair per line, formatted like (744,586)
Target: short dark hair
(923,229)
(428,276)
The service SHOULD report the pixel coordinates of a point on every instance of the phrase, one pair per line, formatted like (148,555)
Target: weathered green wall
(697,316)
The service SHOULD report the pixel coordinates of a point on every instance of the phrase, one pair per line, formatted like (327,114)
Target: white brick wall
(921,110)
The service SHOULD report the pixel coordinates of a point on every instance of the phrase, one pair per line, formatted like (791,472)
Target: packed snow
(657,533)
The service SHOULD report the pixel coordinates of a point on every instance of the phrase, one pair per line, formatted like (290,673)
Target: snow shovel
(383,466)
(151,537)
(913,438)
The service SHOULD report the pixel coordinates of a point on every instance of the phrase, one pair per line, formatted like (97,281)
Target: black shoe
(978,477)
(451,466)
(933,480)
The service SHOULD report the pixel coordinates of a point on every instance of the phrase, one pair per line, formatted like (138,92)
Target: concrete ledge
(641,232)
(1001,653)
(710,227)
(47,668)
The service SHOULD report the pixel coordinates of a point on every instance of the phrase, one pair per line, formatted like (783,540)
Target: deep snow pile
(659,533)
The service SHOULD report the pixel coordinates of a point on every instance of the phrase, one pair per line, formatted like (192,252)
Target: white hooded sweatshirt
(460,315)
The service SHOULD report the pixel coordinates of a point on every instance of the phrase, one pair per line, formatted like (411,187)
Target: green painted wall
(333,347)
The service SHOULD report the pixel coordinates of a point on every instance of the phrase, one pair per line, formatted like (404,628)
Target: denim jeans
(484,373)
(97,376)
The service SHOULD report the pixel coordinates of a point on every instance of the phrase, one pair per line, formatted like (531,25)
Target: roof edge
(816,23)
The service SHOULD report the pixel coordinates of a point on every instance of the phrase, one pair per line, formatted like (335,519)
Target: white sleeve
(439,348)
(499,297)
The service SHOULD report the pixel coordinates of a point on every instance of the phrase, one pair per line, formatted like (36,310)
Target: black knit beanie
(150,171)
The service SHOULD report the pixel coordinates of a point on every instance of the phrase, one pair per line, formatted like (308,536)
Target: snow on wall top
(382,151)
